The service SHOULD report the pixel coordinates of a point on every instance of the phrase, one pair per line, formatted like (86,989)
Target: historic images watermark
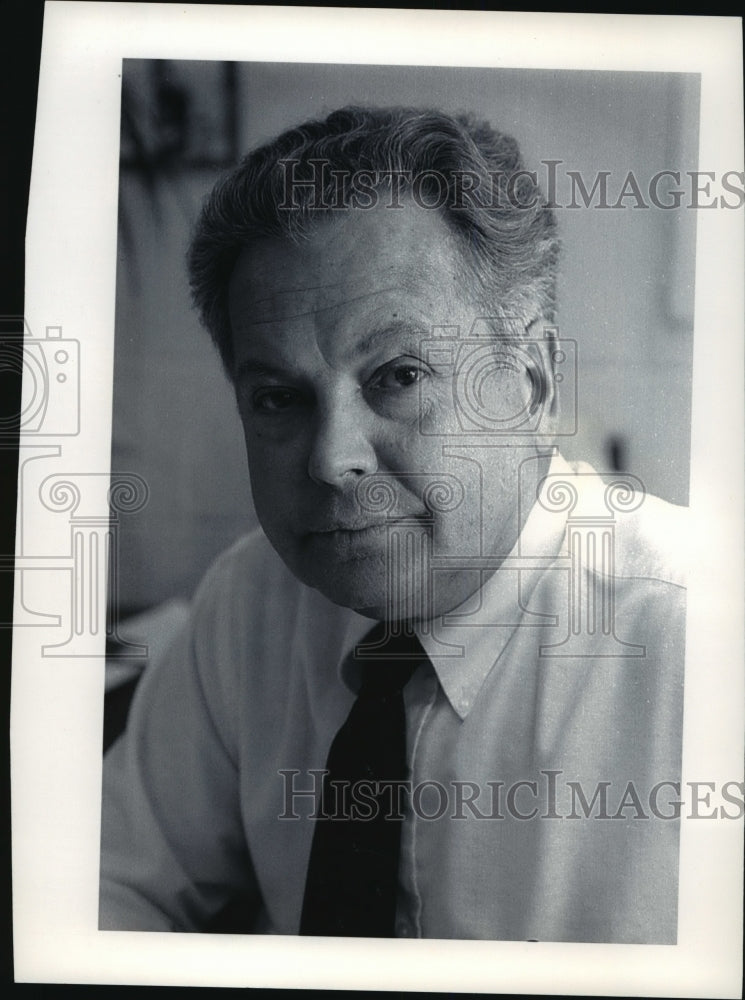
(545,796)
(327,189)
(85,507)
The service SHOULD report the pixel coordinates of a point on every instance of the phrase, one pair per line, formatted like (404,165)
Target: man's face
(335,386)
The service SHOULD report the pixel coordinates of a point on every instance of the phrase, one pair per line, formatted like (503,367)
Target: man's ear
(544,343)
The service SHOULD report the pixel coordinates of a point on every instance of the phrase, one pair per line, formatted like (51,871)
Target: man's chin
(363,591)
(361,583)
(372,602)
(376,603)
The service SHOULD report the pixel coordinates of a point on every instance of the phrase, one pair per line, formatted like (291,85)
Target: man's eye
(274,400)
(400,375)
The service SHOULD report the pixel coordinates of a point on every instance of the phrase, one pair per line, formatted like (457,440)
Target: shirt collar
(466,644)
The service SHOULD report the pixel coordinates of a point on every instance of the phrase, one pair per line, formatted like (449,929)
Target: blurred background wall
(626,289)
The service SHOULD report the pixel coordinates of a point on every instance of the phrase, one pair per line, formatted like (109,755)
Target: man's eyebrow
(259,369)
(411,330)
(401,328)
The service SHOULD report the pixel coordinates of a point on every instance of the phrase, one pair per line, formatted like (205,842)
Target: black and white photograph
(383,283)
(394,539)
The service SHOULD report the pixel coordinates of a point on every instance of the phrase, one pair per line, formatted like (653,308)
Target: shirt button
(403,929)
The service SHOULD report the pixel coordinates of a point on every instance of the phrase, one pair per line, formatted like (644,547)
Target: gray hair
(465,169)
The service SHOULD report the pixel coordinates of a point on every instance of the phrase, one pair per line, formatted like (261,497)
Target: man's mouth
(351,527)
(357,538)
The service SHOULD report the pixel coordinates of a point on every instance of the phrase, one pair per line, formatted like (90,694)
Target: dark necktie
(351,887)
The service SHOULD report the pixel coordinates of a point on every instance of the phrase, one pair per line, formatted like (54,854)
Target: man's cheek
(269,466)
(272,495)
(435,415)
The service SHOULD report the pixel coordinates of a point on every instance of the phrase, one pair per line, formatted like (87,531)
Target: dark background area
(20,49)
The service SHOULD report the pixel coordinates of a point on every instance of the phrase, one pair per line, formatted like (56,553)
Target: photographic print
(389,525)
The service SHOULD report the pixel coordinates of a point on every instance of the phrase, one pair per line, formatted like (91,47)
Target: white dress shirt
(554,692)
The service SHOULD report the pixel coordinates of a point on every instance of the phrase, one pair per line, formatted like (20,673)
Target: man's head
(321,267)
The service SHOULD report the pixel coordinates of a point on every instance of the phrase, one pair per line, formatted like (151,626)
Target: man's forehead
(356,257)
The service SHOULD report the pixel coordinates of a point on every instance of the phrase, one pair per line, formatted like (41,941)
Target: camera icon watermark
(50,371)
(481,367)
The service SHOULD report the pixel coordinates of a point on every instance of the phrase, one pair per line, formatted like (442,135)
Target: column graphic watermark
(87,506)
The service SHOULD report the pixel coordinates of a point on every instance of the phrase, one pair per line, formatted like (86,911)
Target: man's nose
(341,448)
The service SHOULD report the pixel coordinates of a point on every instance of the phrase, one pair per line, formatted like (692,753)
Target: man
(381,288)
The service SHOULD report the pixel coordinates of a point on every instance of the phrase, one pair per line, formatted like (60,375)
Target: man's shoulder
(248,594)
(249,550)
(248,569)
(653,542)
(651,536)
